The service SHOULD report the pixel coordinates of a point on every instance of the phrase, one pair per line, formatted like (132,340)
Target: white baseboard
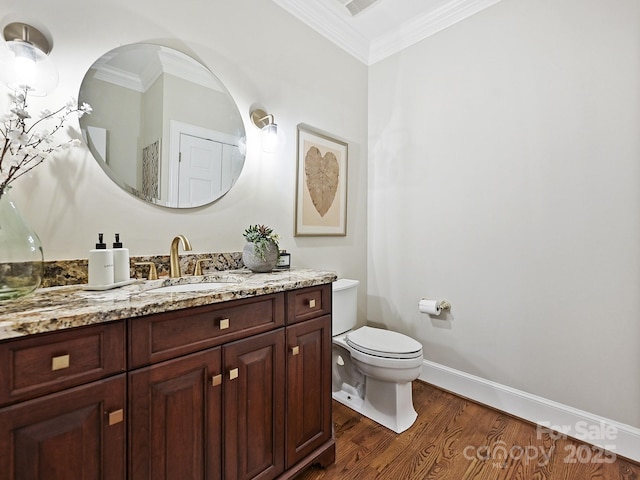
(615,437)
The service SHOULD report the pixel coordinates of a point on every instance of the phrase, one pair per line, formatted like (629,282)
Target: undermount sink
(197,283)
(191,287)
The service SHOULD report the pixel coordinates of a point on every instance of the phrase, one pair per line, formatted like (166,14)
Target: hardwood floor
(456,439)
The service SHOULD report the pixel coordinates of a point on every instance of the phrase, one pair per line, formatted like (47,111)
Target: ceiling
(383,28)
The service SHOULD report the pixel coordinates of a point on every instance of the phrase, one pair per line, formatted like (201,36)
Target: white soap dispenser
(121,267)
(101,264)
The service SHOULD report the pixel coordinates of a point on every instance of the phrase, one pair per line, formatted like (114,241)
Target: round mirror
(163,127)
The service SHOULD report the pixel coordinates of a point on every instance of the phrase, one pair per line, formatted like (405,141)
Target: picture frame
(321,184)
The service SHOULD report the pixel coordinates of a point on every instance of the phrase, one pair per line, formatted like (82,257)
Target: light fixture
(24,60)
(269,129)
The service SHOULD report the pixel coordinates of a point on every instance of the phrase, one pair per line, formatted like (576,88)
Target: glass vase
(21,257)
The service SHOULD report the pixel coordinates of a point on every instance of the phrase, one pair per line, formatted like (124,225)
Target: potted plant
(261,252)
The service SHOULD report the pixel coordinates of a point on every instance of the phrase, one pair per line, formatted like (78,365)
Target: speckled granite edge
(74,272)
(57,308)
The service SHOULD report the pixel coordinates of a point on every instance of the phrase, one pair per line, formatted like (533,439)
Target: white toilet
(372,368)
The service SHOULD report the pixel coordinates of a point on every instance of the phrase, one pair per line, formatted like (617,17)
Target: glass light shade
(21,63)
(269,135)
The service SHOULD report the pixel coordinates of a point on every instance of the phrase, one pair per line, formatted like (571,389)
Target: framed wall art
(321,184)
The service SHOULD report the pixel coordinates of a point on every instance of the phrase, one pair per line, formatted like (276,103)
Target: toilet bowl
(372,368)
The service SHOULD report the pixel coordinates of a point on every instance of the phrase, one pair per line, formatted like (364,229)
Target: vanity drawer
(169,335)
(50,362)
(307,303)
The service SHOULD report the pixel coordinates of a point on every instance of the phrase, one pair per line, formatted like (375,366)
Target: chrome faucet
(174,260)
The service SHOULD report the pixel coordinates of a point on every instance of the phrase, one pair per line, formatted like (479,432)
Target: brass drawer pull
(61,362)
(312,303)
(216,380)
(233,374)
(224,324)
(116,417)
(295,350)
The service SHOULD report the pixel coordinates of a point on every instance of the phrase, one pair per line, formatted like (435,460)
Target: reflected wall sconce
(24,60)
(269,129)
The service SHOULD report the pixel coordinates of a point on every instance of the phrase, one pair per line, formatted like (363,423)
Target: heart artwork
(322,174)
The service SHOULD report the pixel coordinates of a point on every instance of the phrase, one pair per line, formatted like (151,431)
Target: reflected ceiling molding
(120,77)
(175,65)
(140,75)
(341,29)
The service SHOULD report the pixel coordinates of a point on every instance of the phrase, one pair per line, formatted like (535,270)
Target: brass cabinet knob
(115,417)
(216,380)
(224,324)
(60,362)
(233,374)
(312,303)
(295,350)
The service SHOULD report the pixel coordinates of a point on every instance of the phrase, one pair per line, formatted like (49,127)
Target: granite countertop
(57,308)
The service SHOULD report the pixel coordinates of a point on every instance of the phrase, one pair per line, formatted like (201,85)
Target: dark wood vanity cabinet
(59,418)
(77,434)
(211,404)
(253,407)
(177,428)
(175,418)
(309,425)
(234,390)
(254,403)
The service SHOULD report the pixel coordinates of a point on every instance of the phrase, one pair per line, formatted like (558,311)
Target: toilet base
(389,404)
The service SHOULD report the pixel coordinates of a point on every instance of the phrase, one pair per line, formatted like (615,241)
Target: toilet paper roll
(430,307)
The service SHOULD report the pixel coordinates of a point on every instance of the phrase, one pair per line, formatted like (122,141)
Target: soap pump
(101,264)
(121,267)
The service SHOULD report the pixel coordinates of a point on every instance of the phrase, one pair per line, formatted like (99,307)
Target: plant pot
(255,263)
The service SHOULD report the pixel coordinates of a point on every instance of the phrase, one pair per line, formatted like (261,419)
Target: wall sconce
(269,129)
(24,60)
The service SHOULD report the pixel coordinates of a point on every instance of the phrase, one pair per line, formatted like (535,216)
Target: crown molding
(424,26)
(336,28)
(329,24)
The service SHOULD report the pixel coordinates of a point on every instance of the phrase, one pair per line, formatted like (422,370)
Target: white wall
(504,177)
(263,55)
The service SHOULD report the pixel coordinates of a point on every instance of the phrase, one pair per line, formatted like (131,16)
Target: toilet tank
(344,311)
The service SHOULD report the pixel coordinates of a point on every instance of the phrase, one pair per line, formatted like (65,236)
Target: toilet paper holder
(433,307)
(444,305)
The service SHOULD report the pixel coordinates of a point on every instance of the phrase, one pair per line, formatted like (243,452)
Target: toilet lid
(383,343)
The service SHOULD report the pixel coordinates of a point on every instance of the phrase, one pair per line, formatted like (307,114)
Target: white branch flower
(20,113)
(22,146)
(16,137)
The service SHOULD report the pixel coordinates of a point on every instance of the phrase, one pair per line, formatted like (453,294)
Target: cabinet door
(308,387)
(254,407)
(175,419)
(76,434)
